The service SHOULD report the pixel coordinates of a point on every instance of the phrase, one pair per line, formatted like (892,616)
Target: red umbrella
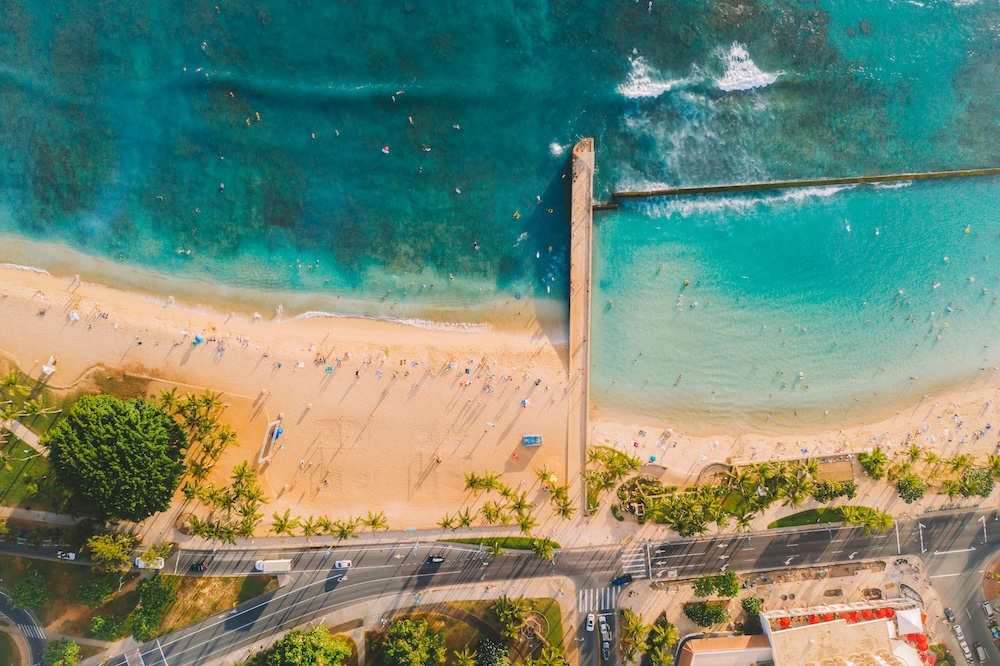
(912,637)
(879,613)
(785,622)
(827,617)
(855,616)
(889,612)
(813,619)
(867,614)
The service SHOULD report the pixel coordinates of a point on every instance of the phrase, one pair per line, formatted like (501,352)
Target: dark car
(622,580)
(606,650)
(199,566)
(950,615)
(435,559)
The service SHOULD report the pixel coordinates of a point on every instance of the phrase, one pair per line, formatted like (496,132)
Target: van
(988,609)
(980,652)
(273,566)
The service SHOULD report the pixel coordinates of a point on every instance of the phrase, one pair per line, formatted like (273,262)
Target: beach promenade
(581,221)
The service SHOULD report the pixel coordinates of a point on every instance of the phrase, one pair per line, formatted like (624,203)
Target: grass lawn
(507,543)
(27,468)
(201,596)
(544,605)
(63,615)
(812,517)
(8,651)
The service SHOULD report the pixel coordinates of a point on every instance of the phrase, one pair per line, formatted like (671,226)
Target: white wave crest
(742,73)
(688,206)
(30,269)
(555,149)
(646,81)
(892,186)
(416,323)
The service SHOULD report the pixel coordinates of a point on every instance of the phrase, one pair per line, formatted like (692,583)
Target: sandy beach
(403,412)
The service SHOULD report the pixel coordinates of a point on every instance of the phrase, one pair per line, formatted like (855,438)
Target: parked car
(590,622)
(343,564)
(622,580)
(435,559)
(62,555)
(958,632)
(950,615)
(606,650)
(199,566)
(967,652)
(988,609)
(157,563)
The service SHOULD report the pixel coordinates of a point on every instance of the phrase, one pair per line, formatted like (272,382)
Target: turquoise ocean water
(339,150)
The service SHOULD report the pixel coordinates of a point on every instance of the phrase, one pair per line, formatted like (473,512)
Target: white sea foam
(742,73)
(892,186)
(30,269)
(416,323)
(555,149)
(646,81)
(687,206)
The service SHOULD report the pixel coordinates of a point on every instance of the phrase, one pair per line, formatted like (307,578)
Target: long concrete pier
(811,182)
(581,225)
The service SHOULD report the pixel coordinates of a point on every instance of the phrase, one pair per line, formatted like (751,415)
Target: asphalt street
(27,625)
(950,543)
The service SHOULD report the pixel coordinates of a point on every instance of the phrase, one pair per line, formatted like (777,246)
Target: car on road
(590,622)
(435,559)
(958,632)
(980,653)
(622,580)
(948,613)
(988,609)
(605,629)
(967,652)
(155,563)
(63,555)
(199,566)
(343,564)
(606,650)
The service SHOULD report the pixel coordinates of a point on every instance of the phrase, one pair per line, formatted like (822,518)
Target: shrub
(873,463)
(976,481)
(704,586)
(155,594)
(827,491)
(315,647)
(110,628)
(61,653)
(706,613)
(911,488)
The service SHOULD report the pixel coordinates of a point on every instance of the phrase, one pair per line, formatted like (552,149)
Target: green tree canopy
(111,551)
(707,613)
(911,488)
(315,647)
(61,653)
(413,643)
(124,457)
(32,591)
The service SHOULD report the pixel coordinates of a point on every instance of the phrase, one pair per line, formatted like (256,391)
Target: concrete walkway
(21,431)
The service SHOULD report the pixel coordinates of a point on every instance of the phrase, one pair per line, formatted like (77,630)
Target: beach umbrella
(866,614)
(198,340)
(879,613)
(827,617)
(890,612)
(785,622)
(813,619)
(855,616)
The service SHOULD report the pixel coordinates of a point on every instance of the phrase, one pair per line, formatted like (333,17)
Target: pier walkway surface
(581,224)
(811,182)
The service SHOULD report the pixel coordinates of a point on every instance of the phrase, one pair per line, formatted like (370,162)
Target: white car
(343,564)
(63,555)
(157,563)
(958,632)
(590,622)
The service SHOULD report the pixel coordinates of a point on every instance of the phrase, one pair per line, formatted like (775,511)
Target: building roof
(726,651)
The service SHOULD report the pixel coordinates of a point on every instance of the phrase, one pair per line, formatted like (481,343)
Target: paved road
(317,588)
(27,625)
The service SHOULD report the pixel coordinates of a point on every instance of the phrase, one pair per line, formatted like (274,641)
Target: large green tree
(124,457)
(413,643)
(61,653)
(315,647)
(111,551)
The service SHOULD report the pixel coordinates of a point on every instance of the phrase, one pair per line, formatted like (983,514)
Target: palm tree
(565,509)
(544,548)
(520,503)
(168,399)
(914,452)
(959,462)
(465,657)
(447,523)
(549,656)
(473,482)
(490,481)
(993,462)
(11,384)
(663,634)
(248,524)
(495,549)
(952,488)
(309,527)
(465,518)
(326,524)
(850,514)
(284,524)
(376,521)
(660,655)
(526,522)
(345,529)
(490,512)
(544,474)
(199,469)
(210,401)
